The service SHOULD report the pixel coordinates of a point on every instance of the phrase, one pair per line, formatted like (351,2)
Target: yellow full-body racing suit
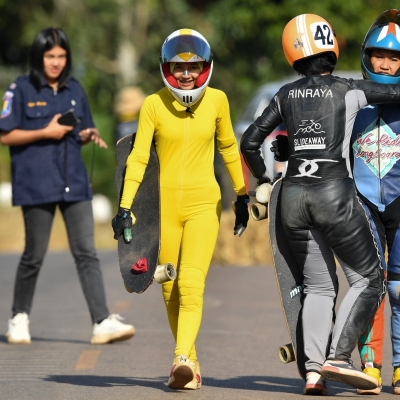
(190,195)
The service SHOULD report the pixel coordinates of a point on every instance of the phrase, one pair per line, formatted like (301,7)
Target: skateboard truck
(165,272)
(286,353)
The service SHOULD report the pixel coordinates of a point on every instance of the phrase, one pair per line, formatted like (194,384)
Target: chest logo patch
(379,147)
(7,104)
(308,141)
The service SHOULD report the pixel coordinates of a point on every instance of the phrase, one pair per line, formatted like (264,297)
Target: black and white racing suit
(321,213)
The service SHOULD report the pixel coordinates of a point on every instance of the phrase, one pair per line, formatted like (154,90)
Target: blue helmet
(384,33)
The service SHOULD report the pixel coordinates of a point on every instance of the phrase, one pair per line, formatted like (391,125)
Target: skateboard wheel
(286,353)
(165,272)
(258,211)
(263,193)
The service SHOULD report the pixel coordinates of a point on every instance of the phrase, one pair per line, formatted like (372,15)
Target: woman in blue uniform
(48,171)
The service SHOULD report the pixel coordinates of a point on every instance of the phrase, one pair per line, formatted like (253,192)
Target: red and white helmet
(186,45)
(308,35)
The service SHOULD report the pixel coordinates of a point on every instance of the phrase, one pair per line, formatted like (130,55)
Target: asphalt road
(237,344)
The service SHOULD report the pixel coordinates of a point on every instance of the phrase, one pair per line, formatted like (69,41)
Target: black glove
(242,214)
(276,177)
(280,148)
(122,224)
(263,179)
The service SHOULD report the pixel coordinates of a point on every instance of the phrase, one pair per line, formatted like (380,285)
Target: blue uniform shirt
(376,165)
(46,171)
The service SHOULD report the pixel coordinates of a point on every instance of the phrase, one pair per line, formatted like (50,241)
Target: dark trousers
(324,220)
(78,218)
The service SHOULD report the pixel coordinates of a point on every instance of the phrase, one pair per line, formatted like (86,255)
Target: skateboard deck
(289,280)
(138,259)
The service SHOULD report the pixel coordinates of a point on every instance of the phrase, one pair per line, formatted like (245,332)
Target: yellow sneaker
(375,373)
(182,372)
(396,381)
(195,383)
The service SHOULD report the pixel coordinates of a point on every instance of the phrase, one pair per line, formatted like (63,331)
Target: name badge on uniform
(7,103)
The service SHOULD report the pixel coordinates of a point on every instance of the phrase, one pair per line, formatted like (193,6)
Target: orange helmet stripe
(302,30)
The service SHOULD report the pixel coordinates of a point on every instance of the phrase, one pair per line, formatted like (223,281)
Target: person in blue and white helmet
(382,37)
(376,151)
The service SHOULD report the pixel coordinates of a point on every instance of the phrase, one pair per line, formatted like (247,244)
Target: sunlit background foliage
(116,43)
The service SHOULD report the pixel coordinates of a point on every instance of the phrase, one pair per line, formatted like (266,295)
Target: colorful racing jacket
(319,113)
(375,145)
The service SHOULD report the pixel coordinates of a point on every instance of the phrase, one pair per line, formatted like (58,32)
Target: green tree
(246,38)
(117,42)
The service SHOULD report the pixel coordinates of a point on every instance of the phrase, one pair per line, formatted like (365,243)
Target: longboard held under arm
(138,254)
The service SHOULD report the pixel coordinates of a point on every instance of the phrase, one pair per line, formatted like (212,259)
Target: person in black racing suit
(321,213)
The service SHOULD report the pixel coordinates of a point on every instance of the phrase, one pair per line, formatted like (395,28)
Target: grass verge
(252,248)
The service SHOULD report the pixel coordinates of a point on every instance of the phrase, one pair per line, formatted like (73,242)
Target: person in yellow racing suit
(185,119)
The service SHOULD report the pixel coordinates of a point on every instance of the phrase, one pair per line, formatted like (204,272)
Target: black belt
(307,170)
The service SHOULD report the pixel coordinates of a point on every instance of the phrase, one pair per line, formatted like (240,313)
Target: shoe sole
(105,339)
(371,392)
(315,391)
(396,390)
(352,379)
(23,341)
(195,386)
(20,341)
(182,375)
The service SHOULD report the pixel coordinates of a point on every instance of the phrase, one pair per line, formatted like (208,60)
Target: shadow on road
(258,383)
(3,339)
(268,384)
(108,381)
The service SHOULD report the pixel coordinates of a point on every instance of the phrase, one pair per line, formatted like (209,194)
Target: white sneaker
(111,330)
(18,329)
(315,385)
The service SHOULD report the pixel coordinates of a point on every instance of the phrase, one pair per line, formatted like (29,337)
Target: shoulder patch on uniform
(13,86)
(7,104)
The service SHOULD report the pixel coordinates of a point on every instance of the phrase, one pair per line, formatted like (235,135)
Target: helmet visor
(185,48)
(384,19)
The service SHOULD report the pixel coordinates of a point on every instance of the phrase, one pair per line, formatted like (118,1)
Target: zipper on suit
(379,153)
(185,146)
